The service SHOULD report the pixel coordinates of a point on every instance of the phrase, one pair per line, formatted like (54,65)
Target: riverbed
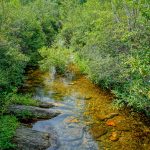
(88,120)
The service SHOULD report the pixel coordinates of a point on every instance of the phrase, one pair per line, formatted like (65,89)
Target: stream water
(88,121)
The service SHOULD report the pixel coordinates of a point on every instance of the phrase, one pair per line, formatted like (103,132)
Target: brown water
(88,120)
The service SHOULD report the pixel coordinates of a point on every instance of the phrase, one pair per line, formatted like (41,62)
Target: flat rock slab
(37,112)
(28,139)
(45,104)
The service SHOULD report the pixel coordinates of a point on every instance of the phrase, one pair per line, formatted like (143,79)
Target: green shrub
(55,56)
(25,114)
(136,86)
(12,64)
(8,125)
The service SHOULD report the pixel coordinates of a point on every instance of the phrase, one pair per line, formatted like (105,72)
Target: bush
(12,64)
(8,125)
(55,57)
(136,86)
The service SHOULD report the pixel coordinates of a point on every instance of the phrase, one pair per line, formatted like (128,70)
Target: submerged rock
(71,120)
(71,83)
(98,131)
(122,126)
(111,123)
(31,111)
(114,136)
(105,117)
(28,139)
(84,97)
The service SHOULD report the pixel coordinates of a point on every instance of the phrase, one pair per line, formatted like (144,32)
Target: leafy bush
(55,56)
(21,99)
(136,86)
(8,125)
(12,64)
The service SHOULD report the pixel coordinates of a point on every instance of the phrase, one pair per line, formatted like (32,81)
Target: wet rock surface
(45,104)
(114,136)
(105,117)
(72,134)
(98,131)
(28,139)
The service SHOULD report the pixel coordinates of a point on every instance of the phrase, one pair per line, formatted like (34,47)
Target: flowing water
(88,121)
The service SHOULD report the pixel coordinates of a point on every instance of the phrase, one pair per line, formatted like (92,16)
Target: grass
(22,99)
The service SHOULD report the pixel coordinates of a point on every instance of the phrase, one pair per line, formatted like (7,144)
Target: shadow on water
(87,121)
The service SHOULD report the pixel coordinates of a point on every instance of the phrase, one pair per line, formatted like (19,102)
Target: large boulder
(28,139)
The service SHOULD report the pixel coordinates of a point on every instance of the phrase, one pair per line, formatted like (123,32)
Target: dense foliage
(23,30)
(8,125)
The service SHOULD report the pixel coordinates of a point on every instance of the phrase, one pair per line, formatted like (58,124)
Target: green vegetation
(58,57)
(7,99)
(24,115)
(23,30)
(109,41)
(8,125)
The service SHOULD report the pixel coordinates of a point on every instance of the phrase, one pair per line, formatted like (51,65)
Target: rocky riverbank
(25,137)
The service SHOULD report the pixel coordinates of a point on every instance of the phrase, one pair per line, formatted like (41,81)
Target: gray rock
(39,113)
(45,105)
(28,139)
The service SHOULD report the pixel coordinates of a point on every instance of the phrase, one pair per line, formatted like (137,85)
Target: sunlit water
(83,124)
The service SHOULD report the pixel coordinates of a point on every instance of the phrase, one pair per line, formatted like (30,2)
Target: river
(88,120)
